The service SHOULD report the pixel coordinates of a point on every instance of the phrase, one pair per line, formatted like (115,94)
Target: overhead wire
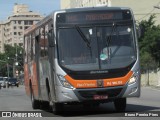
(148,12)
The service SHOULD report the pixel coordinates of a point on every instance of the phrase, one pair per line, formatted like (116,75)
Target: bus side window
(29,48)
(26,49)
(50,35)
(31,37)
(42,42)
(37,48)
(46,40)
(33,46)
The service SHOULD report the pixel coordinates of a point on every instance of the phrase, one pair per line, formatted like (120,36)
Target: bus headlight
(133,79)
(64,82)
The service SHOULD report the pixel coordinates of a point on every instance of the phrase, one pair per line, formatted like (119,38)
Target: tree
(10,52)
(149,44)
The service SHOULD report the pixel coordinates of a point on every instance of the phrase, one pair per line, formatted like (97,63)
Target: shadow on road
(102,111)
(140,108)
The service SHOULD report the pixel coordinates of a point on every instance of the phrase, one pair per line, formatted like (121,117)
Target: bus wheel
(35,103)
(44,105)
(120,104)
(57,108)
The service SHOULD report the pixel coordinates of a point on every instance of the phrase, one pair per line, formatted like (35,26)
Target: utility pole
(8,70)
(14,64)
(7,67)
(16,53)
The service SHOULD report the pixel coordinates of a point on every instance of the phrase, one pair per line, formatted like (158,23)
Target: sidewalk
(157,87)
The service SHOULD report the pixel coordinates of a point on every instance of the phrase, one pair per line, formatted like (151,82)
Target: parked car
(5,81)
(2,82)
(12,82)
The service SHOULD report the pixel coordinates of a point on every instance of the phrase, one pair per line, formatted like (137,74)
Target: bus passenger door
(37,57)
(51,56)
(42,64)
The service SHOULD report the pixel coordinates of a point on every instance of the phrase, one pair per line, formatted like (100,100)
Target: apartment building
(83,3)
(12,29)
(65,4)
(1,36)
(142,8)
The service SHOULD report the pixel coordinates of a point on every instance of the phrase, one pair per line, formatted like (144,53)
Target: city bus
(86,56)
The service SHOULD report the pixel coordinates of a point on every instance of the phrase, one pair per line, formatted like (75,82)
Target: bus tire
(120,104)
(44,105)
(56,108)
(35,103)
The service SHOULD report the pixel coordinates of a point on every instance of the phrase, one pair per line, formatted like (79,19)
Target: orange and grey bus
(82,55)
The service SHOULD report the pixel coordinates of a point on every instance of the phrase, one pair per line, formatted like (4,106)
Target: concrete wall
(153,78)
(141,8)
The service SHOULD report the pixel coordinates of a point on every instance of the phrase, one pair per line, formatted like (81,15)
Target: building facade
(83,3)
(12,30)
(65,4)
(142,9)
(1,37)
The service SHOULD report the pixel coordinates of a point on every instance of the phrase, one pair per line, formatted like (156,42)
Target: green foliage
(147,62)
(149,44)
(9,56)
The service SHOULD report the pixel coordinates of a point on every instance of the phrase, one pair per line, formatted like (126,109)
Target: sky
(44,7)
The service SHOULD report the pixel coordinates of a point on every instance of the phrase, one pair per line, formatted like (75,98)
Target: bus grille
(111,93)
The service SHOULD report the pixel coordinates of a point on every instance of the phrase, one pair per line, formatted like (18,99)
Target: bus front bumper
(65,95)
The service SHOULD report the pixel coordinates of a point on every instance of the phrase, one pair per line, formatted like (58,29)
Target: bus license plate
(100,97)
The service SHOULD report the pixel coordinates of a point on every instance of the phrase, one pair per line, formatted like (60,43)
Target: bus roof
(94,8)
(50,16)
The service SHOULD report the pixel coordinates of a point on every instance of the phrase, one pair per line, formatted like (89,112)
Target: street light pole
(13,65)
(8,69)
(7,66)
(16,53)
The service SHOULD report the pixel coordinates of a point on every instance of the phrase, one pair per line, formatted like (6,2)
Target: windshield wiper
(109,38)
(83,36)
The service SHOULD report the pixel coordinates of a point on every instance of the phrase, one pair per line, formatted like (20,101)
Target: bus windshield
(96,48)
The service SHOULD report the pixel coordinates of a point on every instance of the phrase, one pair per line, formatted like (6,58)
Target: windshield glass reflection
(96,48)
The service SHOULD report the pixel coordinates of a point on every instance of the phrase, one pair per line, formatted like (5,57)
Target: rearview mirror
(51,39)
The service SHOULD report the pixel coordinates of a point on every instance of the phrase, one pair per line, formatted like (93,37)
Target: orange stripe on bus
(93,83)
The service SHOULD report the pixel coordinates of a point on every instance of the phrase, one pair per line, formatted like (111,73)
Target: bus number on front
(112,83)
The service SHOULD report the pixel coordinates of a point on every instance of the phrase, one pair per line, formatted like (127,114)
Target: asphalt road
(15,99)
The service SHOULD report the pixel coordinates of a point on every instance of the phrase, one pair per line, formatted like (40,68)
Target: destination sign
(94,16)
